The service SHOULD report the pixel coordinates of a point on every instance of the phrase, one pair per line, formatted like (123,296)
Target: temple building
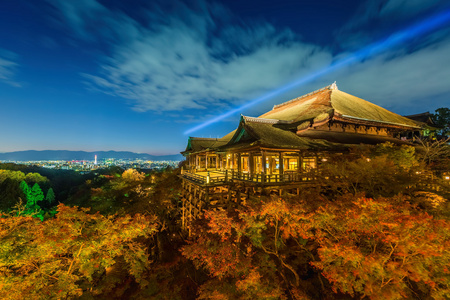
(283,148)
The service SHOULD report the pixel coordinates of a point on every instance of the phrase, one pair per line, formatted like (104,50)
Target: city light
(416,30)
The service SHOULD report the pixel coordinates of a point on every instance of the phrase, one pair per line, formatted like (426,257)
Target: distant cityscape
(86,166)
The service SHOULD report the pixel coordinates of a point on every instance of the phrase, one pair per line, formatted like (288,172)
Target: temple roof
(330,102)
(423,118)
(269,134)
(252,131)
(196,144)
(288,125)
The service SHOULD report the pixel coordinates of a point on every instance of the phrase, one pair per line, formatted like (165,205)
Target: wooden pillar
(251,168)
(217,161)
(299,163)
(197,161)
(270,164)
(263,159)
(281,163)
(239,162)
(206,160)
(281,166)
(264,169)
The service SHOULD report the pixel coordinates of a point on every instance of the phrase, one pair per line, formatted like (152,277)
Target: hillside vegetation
(376,225)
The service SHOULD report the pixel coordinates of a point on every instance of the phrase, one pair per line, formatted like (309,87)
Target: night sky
(136,75)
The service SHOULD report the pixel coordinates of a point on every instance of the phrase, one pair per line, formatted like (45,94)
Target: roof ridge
(265,121)
(202,138)
(332,86)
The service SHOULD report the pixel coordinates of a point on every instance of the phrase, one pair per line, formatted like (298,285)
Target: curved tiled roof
(281,126)
(331,101)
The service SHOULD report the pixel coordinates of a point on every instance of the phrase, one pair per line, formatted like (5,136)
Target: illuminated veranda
(216,169)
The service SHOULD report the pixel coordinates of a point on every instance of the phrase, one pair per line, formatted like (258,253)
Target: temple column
(281,165)
(299,163)
(264,169)
(251,169)
(271,164)
(263,161)
(239,162)
(206,160)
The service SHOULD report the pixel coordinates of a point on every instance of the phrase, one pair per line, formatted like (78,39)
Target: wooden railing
(274,178)
(216,177)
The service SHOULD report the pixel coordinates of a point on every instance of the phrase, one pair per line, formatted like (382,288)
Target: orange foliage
(66,255)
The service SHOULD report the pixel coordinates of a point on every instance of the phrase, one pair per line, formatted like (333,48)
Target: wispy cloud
(202,57)
(376,18)
(398,80)
(192,57)
(8,67)
(403,77)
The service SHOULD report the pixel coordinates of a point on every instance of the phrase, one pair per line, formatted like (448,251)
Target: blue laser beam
(416,30)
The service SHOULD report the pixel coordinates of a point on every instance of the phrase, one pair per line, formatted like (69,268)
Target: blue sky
(135,75)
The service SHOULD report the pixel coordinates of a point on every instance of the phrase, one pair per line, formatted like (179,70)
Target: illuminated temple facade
(283,148)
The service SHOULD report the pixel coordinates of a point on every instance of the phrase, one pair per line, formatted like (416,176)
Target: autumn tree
(35,178)
(76,253)
(132,175)
(13,175)
(261,252)
(288,248)
(383,249)
(236,273)
(435,153)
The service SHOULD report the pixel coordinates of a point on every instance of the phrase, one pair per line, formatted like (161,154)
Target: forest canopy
(380,229)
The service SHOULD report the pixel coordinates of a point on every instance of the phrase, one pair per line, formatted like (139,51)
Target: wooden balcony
(220,177)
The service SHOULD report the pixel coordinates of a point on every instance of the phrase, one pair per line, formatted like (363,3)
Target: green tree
(26,190)
(441,118)
(32,196)
(36,193)
(50,197)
